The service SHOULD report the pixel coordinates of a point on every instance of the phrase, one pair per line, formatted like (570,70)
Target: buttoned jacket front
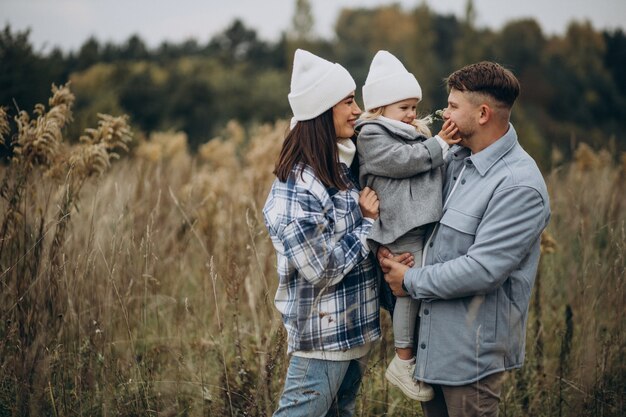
(480,264)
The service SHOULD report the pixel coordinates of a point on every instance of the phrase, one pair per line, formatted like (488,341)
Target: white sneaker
(400,373)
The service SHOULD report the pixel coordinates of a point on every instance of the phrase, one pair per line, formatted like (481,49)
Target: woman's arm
(311,248)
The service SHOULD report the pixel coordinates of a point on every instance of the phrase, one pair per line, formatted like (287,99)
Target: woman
(318,222)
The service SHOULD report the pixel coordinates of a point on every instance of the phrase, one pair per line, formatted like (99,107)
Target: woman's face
(345,114)
(403,111)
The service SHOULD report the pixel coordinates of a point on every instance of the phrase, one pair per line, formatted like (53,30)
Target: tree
(470,45)
(89,54)
(141,97)
(615,57)
(302,22)
(362,32)
(586,92)
(519,45)
(134,48)
(191,107)
(24,76)
(235,43)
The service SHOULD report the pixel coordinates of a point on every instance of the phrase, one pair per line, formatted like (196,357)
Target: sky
(68,23)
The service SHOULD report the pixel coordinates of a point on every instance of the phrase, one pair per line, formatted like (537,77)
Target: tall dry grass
(145,287)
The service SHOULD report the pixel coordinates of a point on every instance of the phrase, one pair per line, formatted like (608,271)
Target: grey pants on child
(405,311)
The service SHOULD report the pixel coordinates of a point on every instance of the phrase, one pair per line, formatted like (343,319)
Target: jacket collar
(403,130)
(485,159)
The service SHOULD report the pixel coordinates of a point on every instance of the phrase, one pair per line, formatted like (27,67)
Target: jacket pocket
(456,234)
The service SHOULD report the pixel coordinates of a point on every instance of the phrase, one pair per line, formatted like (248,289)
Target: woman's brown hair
(313,143)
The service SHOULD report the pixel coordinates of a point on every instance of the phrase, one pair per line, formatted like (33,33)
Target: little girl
(404,166)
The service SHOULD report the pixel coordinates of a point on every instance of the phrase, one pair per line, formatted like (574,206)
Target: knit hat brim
(333,84)
(391,89)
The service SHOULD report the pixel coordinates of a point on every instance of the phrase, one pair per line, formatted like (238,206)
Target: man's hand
(394,275)
(383,252)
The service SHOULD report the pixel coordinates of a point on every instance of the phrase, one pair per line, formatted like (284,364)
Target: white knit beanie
(388,82)
(317,85)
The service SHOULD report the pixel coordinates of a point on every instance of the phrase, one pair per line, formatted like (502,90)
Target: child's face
(403,111)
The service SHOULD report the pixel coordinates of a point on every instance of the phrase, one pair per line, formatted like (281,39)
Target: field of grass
(144,285)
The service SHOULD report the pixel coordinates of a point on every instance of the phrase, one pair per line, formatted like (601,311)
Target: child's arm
(383,154)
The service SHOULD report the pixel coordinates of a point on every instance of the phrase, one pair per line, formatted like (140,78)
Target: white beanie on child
(317,85)
(388,82)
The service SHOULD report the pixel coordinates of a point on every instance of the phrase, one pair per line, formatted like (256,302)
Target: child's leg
(406,308)
(401,370)
(404,318)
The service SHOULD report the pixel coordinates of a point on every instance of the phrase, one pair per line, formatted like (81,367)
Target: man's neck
(486,138)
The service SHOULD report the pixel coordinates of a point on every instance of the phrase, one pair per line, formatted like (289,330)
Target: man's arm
(513,221)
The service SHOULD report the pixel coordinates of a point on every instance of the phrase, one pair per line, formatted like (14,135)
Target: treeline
(574,85)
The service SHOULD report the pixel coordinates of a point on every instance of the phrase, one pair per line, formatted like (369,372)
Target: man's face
(464,113)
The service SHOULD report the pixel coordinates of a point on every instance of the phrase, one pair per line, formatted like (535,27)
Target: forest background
(144,285)
(574,85)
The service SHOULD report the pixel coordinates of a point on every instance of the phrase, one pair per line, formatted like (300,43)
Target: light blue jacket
(481,264)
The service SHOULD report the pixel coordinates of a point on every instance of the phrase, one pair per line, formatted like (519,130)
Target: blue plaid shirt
(328,286)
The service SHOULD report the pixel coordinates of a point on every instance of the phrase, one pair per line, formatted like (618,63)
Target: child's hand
(449,133)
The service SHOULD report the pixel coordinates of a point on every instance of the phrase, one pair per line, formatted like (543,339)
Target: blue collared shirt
(481,263)
(328,287)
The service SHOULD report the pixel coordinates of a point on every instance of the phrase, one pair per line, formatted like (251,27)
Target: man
(481,258)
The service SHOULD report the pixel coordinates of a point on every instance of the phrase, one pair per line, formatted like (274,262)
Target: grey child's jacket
(406,170)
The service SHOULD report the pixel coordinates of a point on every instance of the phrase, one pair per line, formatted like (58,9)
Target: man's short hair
(486,78)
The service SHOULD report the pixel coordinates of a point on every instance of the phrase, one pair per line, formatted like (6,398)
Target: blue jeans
(316,387)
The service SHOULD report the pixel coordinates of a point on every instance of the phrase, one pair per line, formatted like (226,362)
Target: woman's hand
(368,202)
(448,132)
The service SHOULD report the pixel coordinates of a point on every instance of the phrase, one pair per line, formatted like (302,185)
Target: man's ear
(485,114)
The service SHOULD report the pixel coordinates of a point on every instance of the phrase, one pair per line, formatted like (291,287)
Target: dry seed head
(172,144)
(149,151)
(234,132)
(262,152)
(585,158)
(62,96)
(556,156)
(91,159)
(95,154)
(163,145)
(39,139)
(112,132)
(4,125)
(14,221)
(438,115)
(220,154)
(548,243)
(605,158)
